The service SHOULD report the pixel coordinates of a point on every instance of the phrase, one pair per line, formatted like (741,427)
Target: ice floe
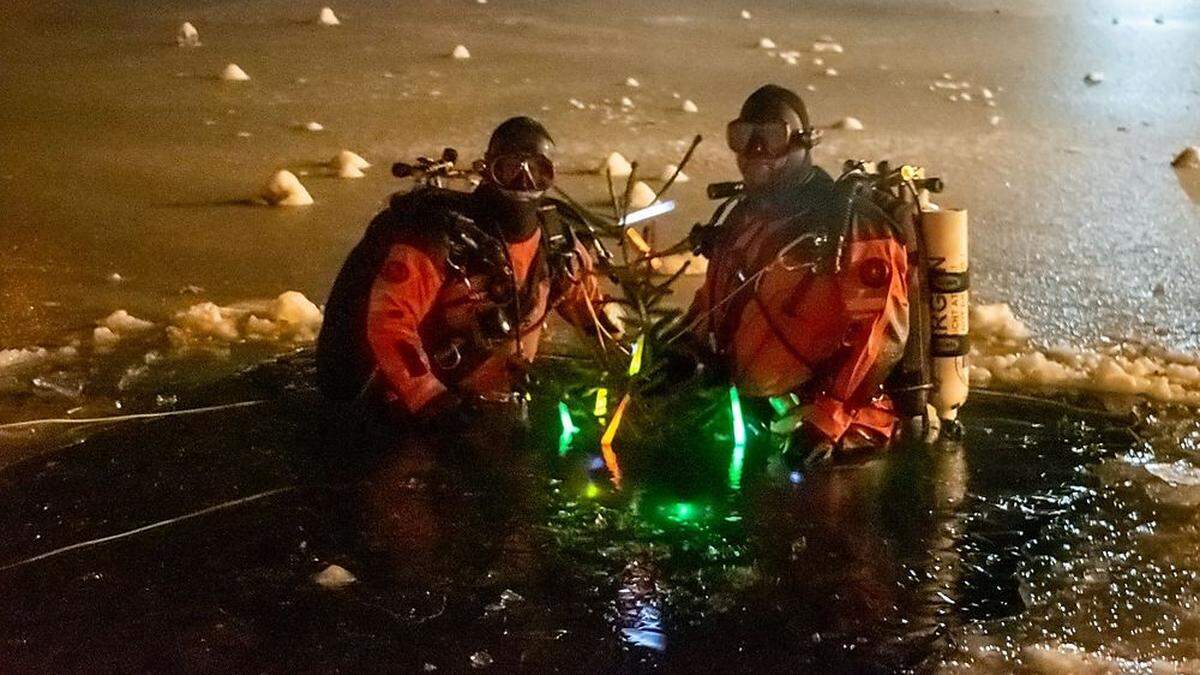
(328,18)
(187,35)
(234,73)
(285,189)
(460,52)
(290,317)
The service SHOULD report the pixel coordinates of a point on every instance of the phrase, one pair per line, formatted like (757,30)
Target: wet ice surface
(1077,215)
(1042,539)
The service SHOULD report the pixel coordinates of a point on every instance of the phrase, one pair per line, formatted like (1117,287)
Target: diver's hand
(807,448)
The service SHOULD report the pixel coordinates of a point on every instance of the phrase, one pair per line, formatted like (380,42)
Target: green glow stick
(739,439)
(568,428)
(635,359)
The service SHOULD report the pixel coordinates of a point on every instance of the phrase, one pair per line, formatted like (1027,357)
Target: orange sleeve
(402,295)
(584,291)
(873,285)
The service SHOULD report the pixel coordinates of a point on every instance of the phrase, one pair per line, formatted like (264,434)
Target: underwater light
(591,491)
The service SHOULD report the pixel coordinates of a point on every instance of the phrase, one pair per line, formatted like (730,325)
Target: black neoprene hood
(520,135)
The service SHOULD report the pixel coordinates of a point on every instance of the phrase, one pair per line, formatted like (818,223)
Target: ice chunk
(481,659)
(766,43)
(205,320)
(617,165)
(1093,78)
(669,170)
(632,82)
(104,339)
(460,52)
(349,165)
(284,189)
(187,36)
(994,120)
(996,322)
(313,126)
(831,72)
(299,316)
(334,577)
(328,18)
(745,14)
(1188,158)
(116,278)
(688,106)
(832,47)
(640,196)
(122,322)
(234,73)
(626,102)
(849,124)
(987,93)
(1178,473)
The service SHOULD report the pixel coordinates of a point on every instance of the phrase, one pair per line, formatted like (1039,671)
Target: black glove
(806,448)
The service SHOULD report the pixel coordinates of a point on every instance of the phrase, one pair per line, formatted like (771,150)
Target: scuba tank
(929,384)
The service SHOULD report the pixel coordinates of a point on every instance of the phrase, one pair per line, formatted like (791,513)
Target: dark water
(491,546)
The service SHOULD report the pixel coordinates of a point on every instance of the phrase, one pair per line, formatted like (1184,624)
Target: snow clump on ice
(334,577)
(632,82)
(746,14)
(187,36)
(289,317)
(460,52)
(328,18)
(766,43)
(284,189)
(849,124)
(234,73)
(349,164)
(640,196)
(669,170)
(617,165)
(689,106)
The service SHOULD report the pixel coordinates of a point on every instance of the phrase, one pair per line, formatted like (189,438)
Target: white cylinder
(945,235)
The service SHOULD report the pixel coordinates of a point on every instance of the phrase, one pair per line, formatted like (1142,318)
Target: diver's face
(763,143)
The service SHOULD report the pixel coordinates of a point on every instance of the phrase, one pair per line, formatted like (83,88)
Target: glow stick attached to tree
(739,439)
(606,449)
(635,359)
(568,428)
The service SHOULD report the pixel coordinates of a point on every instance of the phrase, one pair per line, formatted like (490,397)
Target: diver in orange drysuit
(445,299)
(806,290)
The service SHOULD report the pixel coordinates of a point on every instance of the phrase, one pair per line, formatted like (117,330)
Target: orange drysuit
(424,330)
(801,322)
